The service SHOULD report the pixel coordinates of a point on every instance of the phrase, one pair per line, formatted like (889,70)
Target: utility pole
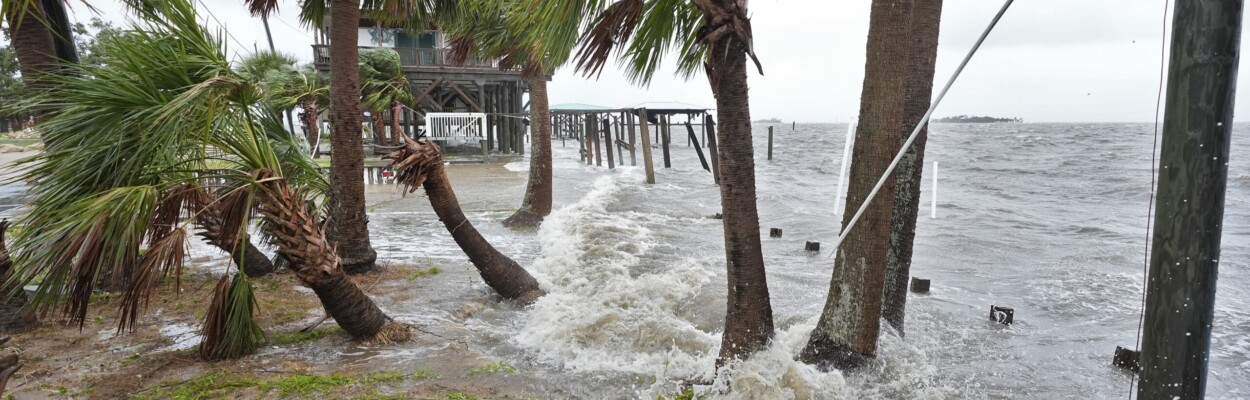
(1189,205)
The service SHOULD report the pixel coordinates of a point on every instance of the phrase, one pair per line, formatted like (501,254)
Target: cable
(1154,154)
(916,132)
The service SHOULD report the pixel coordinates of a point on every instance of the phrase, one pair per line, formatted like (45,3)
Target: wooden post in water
(1189,205)
(665,139)
(587,138)
(770,142)
(618,130)
(607,139)
(633,153)
(713,148)
(646,146)
(592,129)
(793,124)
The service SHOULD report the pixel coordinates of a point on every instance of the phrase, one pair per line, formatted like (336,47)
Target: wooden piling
(633,154)
(588,138)
(770,143)
(713,148)
(664,123)
(698,150)
(618,133)
(596,137)
(646,146)
(607,141)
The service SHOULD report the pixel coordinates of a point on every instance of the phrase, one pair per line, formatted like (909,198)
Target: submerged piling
(770,143)
(646,146)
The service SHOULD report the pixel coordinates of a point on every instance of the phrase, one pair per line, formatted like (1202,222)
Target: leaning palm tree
(308,90)
(384,86)
(130,145)
(482,29)
(420,163)
(712,34)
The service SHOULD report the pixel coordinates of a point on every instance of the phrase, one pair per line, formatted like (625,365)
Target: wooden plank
(428,90)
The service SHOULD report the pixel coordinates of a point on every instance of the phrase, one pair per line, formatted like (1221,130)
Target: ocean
(1049,219)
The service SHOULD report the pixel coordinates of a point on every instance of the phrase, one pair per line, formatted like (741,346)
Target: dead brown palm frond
(613,27)
(164,257)
(176,202)
(412,161)
(235,210)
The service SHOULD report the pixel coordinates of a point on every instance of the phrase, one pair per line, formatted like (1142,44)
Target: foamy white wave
(600,313)
(519,165)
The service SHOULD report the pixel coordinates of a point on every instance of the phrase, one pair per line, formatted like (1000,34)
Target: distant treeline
(976,120)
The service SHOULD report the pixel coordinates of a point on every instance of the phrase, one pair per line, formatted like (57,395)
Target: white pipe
(933,204)
(846,166)
(916,132)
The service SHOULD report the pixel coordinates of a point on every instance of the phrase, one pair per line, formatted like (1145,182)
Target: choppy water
(1046,218)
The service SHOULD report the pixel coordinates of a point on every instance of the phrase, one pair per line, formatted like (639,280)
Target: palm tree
(846,334)
(420,163)
(308,90)
(482,29)
(712,34)
(384,86)
(926,19)
(130,144)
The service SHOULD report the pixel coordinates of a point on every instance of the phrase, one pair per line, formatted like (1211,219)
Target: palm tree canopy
(641,33)
(382,79)
(126,140)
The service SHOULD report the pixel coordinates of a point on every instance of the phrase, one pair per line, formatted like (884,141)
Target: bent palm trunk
(14,315)
(537,202)
(301,240)
(246,256)
(421,164)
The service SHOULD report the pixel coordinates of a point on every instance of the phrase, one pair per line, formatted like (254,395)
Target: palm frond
(229,329)
(163,258)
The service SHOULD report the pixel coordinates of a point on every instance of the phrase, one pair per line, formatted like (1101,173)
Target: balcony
(424,60)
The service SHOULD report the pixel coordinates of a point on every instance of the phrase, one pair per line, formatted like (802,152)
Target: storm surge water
(1048,219)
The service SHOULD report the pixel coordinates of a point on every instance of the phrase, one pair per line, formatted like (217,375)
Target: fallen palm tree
(420,163)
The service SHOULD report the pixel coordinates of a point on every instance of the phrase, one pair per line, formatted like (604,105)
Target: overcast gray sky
(1048,61)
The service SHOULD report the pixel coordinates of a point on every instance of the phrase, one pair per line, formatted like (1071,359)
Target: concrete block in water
(813,246)
(1002,315)
(1127,359)
(919,285)
(774,232)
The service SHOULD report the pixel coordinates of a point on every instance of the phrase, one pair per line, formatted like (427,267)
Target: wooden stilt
(646,146)
(633,132)
(664,124)
(593,129)
(607,141)
(713,148)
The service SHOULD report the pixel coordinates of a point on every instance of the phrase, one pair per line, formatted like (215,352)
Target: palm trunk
(396,111)
(36,51)
(349,228)
(379,129)
(310,119)
(926,18)
(15,316)
(422,164)
(748,312)
(846,335)
(537,202)
(211,221)
(301,240)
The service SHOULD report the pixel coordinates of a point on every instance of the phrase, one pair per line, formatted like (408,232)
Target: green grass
(219,384)
(493,368)
(421,273)
(289,338)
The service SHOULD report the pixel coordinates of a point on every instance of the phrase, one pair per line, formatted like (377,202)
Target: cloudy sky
(1048,61)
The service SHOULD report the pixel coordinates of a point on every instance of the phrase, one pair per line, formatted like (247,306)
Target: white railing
(455,125)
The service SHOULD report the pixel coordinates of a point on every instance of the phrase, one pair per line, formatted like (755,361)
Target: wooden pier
(612,135)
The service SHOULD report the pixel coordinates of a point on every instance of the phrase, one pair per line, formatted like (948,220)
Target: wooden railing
(421,58)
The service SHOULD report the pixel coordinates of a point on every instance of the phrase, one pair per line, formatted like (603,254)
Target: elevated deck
(424,64)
